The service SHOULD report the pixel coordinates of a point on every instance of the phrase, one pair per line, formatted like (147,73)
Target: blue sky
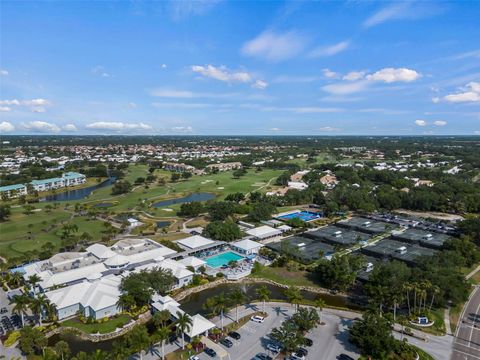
(219,67)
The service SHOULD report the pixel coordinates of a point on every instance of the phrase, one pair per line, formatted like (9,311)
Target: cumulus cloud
(69,128)
(354,75)
(221,73)
(117,126)
(6,126)
(329,73)
(260,84)
(35,105)
(440,123)
(331,50)
(41,127)
(5,108)
(182,129)
(274,47)
(390,75)
(3,72)
(420,123)
(328,129)
(469,93)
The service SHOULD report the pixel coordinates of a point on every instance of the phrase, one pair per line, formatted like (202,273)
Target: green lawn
(104,327)
(285,277)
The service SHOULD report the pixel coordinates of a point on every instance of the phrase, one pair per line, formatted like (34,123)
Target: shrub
(12,338)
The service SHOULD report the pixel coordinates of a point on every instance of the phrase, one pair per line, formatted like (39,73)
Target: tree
(33,281)
(217,305)
(306,319)
(320,304)
(32,340)
(224,231)
(191,209)
(263,294)
(221,210)
(37,305)
(237,297)
(121,187)
(126,302)
(175,177)
(235,197)
(288,335)
(161,318)
(138,339)
(261,211)
(294,296)
(186,175)
(162,334)
(373,335)
(62,349)
(184,324)
(20,305)
(5,212)
(340,272)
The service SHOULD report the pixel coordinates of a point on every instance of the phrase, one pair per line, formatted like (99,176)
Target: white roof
(192,261)
(49,279)
(160,251)
(199,325)
(117,260)
(100,251)
(98,294)
(247,244)
(263,232)
(195,241)
(178,269)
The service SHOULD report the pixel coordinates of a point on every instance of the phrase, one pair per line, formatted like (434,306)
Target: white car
(273,348)
(295,356)
(194,357)
(258,319)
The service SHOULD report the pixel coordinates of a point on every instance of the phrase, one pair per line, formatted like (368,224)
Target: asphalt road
(467,338)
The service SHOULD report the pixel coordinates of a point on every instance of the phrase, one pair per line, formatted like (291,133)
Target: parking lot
(8,320)
(330,340)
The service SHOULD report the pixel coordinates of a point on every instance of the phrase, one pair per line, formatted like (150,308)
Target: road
(467,338)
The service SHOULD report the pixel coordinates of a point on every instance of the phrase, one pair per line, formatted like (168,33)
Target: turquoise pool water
(222,259)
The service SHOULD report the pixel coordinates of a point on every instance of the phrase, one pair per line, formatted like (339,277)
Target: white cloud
(275,47)
(10,102)
(186,94)
(436,100)
(35,105)
(390,75)
(260,84)
(132,105)
(346,88)
(404,10)
(354,75)
(69,128)
(328,129)
(182,129)
(6,126)
(329,50)
(3,72)
(329,73)
(222,73)
(5,108)
(117,126)
(163,66)
(469,93)
(420,123)
(275,129)
(99,70)
(41,127)
(440,123)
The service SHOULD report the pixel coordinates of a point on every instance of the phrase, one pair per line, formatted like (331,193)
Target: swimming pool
(302,215)
(222,259)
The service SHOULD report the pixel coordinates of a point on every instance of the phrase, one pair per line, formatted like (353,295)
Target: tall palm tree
(16,279)
(21,305)
(50,309)
(435,290)
(408,287)
(33,281)
(125,302)
(294,296)
(263,294)
(218,305)
(320,304)
(184,323)
(237,297)
(138,339)
(160,318)
(37,305)
(162,335)
(62,349)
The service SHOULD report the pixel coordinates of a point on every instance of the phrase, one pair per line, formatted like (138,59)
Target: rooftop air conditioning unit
(428,236)
(367,223)
(338,233)
(402,250)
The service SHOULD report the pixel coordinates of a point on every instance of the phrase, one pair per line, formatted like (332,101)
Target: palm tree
(237,297)
(294,296)
(184,323)
(16,279)
(160,318)
(62,348)
(36,306)
(139,339)
(34,280)
(408,287)
(320,304)
(435,290)
(50,309)
(263,294)
(125,302)
(21,305)
(162,335)
(218,305)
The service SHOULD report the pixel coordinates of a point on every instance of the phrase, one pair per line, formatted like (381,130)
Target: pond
(77,194)
(163,224)
(193,304)
(186,199)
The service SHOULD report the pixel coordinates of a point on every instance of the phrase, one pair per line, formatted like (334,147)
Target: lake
(186,199)
(77,194)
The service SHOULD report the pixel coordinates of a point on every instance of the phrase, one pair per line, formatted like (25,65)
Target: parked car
(194,357)
(344,357)
(302,351)
(234,335)
(226,342)
(210,352)
(262,356)
(295,356)
(308,342)
(273,348)
(258,319)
